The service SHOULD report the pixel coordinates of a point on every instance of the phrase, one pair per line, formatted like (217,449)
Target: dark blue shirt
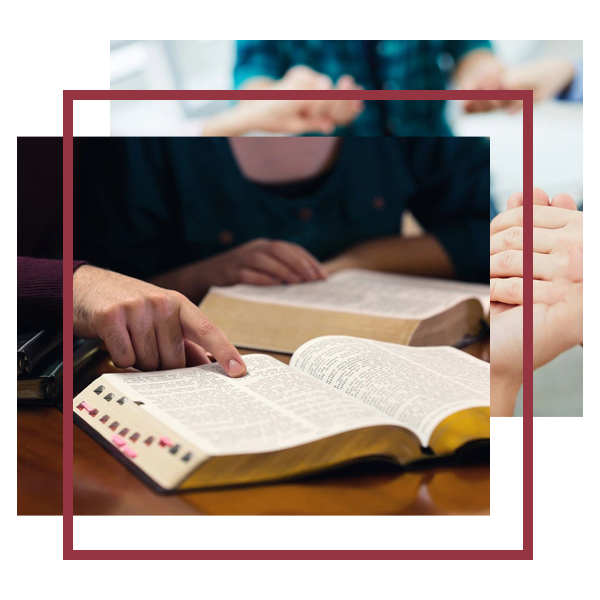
(147,205)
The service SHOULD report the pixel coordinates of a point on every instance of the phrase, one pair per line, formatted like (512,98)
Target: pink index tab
(118,441)
(165,441)
(130,452)
(93,411)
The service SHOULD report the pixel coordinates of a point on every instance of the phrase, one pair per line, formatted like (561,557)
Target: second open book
(402,309)
(340,399)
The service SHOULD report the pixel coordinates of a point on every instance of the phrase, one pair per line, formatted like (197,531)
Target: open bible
(341,399)
(387,307)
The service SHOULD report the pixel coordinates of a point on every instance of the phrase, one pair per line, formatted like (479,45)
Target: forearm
(423,255)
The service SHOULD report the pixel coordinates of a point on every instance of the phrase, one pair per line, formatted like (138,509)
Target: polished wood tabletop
(39,478)
(368,506)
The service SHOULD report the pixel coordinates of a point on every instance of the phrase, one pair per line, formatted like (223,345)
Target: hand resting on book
(147,327)
(258,262)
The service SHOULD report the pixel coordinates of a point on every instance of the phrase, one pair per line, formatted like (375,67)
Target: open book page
(271,408)
(368,293)
(417,387)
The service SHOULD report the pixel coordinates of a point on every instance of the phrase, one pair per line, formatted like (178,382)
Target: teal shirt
(147,205)
(391,65)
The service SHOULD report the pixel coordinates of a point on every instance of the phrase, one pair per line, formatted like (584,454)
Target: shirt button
(305,214)
(378,203)
(225,237)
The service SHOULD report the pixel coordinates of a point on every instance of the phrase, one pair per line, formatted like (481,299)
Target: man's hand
(147,327)
(303,116)
(258,262)
(481,70)
(557,229)
(338,112)
(263,262)
(556,328)
(291,117)
(547,77)
(557,290)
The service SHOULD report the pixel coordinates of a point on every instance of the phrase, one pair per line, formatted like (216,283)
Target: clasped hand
(557,290)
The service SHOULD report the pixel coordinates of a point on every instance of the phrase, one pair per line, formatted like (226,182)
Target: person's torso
(360,197)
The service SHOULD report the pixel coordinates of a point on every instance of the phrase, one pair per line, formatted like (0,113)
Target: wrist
(504,388)
(211,272)
(192,280)
(83,279)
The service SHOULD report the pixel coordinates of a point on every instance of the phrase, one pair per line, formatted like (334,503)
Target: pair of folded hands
(557,288)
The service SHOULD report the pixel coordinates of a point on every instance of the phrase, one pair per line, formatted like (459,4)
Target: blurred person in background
(374,65)
(395,65)
(190,213)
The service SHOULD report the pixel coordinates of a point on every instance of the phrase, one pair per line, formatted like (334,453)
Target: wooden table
(360,507)
(39,478)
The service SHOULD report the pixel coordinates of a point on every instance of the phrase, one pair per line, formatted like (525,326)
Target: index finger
(198,328)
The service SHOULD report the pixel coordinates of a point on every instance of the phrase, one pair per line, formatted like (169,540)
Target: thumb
(564,201)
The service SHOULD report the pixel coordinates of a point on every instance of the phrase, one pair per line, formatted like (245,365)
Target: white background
(568,482)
